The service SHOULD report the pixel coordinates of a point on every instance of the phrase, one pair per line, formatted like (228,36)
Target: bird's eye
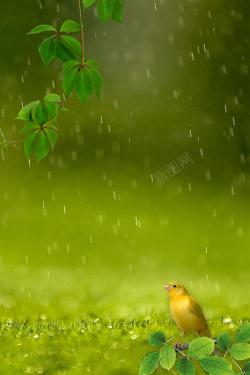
(174,286)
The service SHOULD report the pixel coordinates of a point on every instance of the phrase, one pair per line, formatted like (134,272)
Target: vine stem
(80,11)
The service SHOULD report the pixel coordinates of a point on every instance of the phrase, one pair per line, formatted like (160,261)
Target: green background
(86,234)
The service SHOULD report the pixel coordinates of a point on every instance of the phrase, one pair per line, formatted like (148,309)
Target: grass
(97,346)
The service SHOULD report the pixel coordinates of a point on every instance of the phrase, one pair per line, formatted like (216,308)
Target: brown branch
(80,11)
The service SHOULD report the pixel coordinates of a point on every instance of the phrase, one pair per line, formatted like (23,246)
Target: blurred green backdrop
(88,232)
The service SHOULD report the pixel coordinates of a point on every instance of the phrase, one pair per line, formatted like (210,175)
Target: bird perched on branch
(187,312)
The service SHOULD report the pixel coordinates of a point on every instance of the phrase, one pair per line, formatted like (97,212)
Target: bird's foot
(177,345)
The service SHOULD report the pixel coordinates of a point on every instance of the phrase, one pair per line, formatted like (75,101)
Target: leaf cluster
(200,349)
(78,74)
(41,125)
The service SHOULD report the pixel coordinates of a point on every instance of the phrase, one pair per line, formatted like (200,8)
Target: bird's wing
(196,309)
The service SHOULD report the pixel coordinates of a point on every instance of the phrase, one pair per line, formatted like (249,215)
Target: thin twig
(58,111)
(80,11)
(237,365)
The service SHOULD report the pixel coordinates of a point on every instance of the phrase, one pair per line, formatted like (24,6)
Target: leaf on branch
(68,66)
(96,79)
(149,363)
(51,109)
(215,366)
(29,142)
(223,341)
(63,53)
(42,147)
(240,351)
(87,3)
(200,347)
(94,64)
(70,81)
(52,98)
(72,44)
(24,113)
(41,28)
(29,126)
(39,114)
(84,86)
(185,367)
(246,368)
(156,338)
(110,8)
(116,15)
(243,334)
(47,50)
(167,357)
(70,26)
(104,9)
(52,136)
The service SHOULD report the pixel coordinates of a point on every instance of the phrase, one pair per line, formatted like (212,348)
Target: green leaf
(39,114)
(84,86)
(69,65)
(52,136)
(24,114)
(246,368)
(70,26)
(49,125)
(215,366)
(63,53)
(87,3)
(29,126)
(47,50)
(243,334)
(51,109)
(72,44)
(105,9)
(42,147)
(96,79)
(52,98)
(41,28)
(200,347)
(157,338)
(185,367)
(116,14)
(240,351)
(94,64)
(167,357)
(149,363)
(223,341)
(70,81)
(29,142)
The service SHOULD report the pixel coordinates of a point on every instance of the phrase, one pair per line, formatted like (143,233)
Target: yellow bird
(186,312)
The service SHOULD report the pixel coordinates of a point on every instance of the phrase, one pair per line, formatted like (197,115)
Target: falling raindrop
(208,175)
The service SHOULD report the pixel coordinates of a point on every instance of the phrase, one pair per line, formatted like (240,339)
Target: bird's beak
(167,287)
